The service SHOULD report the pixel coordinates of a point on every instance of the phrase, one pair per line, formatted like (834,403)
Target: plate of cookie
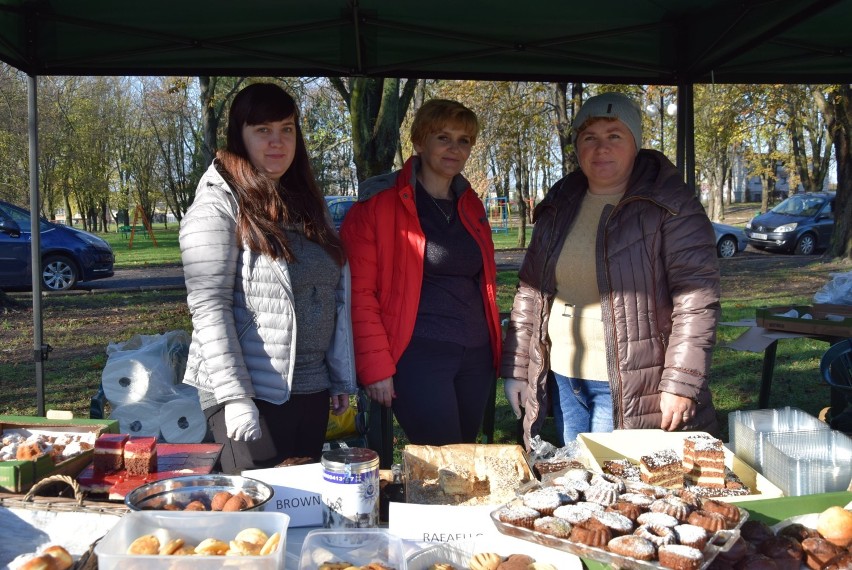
(487,551)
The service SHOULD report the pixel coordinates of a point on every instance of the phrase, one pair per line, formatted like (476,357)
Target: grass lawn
(79,327)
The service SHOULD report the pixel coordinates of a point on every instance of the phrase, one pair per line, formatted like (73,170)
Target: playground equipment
(498,214)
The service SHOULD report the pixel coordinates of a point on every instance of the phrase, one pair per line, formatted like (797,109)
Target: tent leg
(35,252)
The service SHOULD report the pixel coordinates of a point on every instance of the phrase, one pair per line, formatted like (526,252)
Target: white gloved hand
(242,420)
(516,393)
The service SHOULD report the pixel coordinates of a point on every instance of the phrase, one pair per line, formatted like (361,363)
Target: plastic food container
(459,553)
(809,463)
(180,491)
(358,547)
(748,430)
(193,527)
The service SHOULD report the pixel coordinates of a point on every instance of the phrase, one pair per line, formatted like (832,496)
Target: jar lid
(349,455)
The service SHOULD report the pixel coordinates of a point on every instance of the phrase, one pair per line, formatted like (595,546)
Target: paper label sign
(439,523)
(297,492)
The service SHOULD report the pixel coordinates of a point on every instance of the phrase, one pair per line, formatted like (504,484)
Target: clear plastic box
(748,430)
(808,463)
(357,546)
(193,527)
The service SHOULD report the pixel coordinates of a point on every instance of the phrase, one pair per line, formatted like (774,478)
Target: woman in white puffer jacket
(268,289)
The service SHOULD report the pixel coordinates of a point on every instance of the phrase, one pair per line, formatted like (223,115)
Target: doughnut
(657,534)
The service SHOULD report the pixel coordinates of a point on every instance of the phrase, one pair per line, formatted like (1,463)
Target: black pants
(295,428)
(441,390)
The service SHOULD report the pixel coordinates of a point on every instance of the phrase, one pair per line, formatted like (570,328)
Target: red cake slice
(109,452)
(140,456)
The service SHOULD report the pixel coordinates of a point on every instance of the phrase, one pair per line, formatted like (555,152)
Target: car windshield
(799,206)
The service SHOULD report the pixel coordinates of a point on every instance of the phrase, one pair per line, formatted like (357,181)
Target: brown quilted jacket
(658,277)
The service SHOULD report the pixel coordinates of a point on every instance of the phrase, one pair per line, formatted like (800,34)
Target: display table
(757,339)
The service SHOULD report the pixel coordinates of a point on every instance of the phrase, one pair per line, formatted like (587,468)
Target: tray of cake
(693,460)
(627,524)
(32,448)
(121,463)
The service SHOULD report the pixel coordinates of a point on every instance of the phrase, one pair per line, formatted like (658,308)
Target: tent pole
(686,133)
(35,244)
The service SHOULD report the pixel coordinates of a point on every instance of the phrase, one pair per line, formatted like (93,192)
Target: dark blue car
(802,224)
(68,255)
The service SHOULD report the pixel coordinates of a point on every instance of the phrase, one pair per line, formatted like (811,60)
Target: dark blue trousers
(441,391)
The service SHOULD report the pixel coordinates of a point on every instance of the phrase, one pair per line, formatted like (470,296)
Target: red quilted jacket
(385,246)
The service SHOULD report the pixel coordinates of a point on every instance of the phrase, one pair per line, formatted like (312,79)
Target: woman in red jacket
(424,293)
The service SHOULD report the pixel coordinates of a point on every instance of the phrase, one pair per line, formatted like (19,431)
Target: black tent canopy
(617,41)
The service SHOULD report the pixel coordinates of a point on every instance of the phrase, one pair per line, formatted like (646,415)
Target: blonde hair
(436,114)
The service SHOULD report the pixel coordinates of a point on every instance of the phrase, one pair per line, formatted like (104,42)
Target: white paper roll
(138,418)
(127,379)
(182,421)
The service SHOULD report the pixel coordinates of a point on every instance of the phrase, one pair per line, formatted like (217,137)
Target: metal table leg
(766,374)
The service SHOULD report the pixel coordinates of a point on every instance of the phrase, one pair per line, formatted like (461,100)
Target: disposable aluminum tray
(749,429)
(721,541)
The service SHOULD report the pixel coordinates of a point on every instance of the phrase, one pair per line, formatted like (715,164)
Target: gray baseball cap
(615,105)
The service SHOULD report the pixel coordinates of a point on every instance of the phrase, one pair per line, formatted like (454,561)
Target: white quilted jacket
(241,302)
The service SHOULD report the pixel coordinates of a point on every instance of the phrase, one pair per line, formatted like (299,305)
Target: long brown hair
(264,204)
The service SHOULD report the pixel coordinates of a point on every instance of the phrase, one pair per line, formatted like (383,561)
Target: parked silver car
(730,240)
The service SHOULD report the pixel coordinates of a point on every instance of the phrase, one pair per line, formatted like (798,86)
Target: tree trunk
(376,111)
(209,121)
(563,124)
(836,107)
(522,188)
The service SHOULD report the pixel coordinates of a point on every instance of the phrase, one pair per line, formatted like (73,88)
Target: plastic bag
(146,368)
(342,426)
(838,291)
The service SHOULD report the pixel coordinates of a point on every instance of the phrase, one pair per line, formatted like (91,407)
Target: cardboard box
(634,443)
(20,476)
(839,325)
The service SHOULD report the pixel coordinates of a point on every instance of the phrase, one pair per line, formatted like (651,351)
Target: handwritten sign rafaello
(439,523)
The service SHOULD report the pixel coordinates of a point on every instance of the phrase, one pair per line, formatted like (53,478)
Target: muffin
(518,515)
(633,546)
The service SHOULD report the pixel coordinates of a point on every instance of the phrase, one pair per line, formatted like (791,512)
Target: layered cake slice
(140,456)
(663,468)
(109,452)
(704,461)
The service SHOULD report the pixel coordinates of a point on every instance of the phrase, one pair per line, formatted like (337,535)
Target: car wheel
(806,245)
(727,247)
(58,273)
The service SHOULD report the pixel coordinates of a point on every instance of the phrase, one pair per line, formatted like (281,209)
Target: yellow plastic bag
(342,426)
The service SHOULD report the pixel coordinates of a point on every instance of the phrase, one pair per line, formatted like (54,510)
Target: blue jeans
(580,406)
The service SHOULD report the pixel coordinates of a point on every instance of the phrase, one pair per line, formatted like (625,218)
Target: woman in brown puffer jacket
(614,320)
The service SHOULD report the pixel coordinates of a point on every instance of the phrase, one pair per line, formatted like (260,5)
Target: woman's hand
(339,403)
(381,391)
(678,411)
